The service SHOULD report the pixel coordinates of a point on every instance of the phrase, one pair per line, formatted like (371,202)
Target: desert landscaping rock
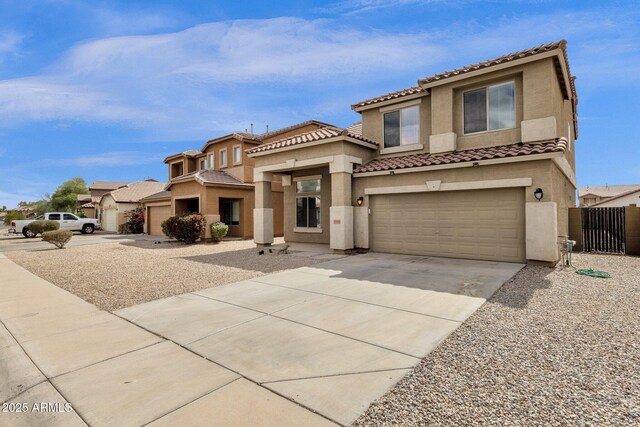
(550,348)
(117,275)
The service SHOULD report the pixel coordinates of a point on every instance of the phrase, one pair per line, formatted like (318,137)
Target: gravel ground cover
(550,348)
(118,275)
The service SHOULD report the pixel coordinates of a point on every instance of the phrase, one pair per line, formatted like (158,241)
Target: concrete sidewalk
(56,348)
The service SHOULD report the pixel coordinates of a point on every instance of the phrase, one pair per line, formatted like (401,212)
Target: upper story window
(212,161)
(237,154)
(402,127)
(203,164)
(223,158)
(176,169)
(490,108)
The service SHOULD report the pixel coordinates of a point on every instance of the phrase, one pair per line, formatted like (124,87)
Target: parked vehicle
(68,221)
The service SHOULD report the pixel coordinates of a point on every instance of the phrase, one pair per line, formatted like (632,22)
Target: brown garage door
(479,224)
(157,214)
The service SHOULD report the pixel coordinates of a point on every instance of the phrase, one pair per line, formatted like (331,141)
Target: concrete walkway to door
(311,346)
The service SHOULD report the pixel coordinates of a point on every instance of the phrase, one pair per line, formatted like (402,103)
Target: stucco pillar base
(341,227)
(542,231)
(263,226)
(361,227)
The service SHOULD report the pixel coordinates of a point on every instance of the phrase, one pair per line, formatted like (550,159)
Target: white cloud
(10,41)
(221,76)
(358,6)
(109,159)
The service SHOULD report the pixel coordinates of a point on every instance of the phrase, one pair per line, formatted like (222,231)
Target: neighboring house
(29,211)
(628,198)
(114,204)
(451,167)
(217,181)
(595,194)
(88,204)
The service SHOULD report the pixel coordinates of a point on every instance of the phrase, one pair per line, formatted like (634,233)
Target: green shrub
(13,216)
(218,231)
(58,238)
(187,228)
(42,226)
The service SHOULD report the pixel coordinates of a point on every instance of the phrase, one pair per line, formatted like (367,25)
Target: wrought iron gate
(603,230)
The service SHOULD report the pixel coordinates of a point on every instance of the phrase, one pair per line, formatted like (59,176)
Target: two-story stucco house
(476,163)
(217,181)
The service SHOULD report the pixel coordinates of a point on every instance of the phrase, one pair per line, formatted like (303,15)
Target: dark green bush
(218,231)
(42,226)
(58,238)
(187,228)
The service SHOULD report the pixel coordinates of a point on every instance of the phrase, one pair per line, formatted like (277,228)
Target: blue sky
(105,90)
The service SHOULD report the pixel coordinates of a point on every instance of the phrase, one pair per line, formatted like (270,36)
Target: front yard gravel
(118,275)
(550,348)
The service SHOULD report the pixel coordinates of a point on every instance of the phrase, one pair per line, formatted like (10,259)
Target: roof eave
(425,84)
(392,101)
(314,143)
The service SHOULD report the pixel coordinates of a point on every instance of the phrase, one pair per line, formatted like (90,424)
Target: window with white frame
(203,163)
(223,158)
(308,203)
(237,154)
(212,161)
(402,127)
(490,108)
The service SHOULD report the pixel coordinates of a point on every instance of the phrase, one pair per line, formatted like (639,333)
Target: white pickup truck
(68,221)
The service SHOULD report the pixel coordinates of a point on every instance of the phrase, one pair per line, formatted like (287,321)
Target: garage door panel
(480,224)
(157,214)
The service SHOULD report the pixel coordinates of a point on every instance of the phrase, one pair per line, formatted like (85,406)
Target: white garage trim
(452,186)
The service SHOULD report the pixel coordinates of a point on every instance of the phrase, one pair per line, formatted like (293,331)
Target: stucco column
(263,211)
(541,225)
(341,212)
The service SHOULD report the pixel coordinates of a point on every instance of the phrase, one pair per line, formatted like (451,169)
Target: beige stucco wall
(539,171)
(538,96)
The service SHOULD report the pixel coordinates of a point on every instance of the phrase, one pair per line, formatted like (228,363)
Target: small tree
(187,228)
(135,220)
(218,231)
(13,216)
(65,198)
(58,238)
(42,226)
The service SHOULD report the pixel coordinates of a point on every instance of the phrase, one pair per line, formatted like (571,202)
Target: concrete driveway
(332,337)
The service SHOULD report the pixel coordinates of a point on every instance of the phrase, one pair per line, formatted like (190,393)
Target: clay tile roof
(106,185)
(157,196)
(293,127)
(393,95)
(134,191)
(354,131)
(500,60)
(83,197)
(207,176)
(88,205)
(476,154)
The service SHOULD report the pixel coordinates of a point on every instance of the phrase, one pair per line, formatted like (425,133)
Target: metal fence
(603,230)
